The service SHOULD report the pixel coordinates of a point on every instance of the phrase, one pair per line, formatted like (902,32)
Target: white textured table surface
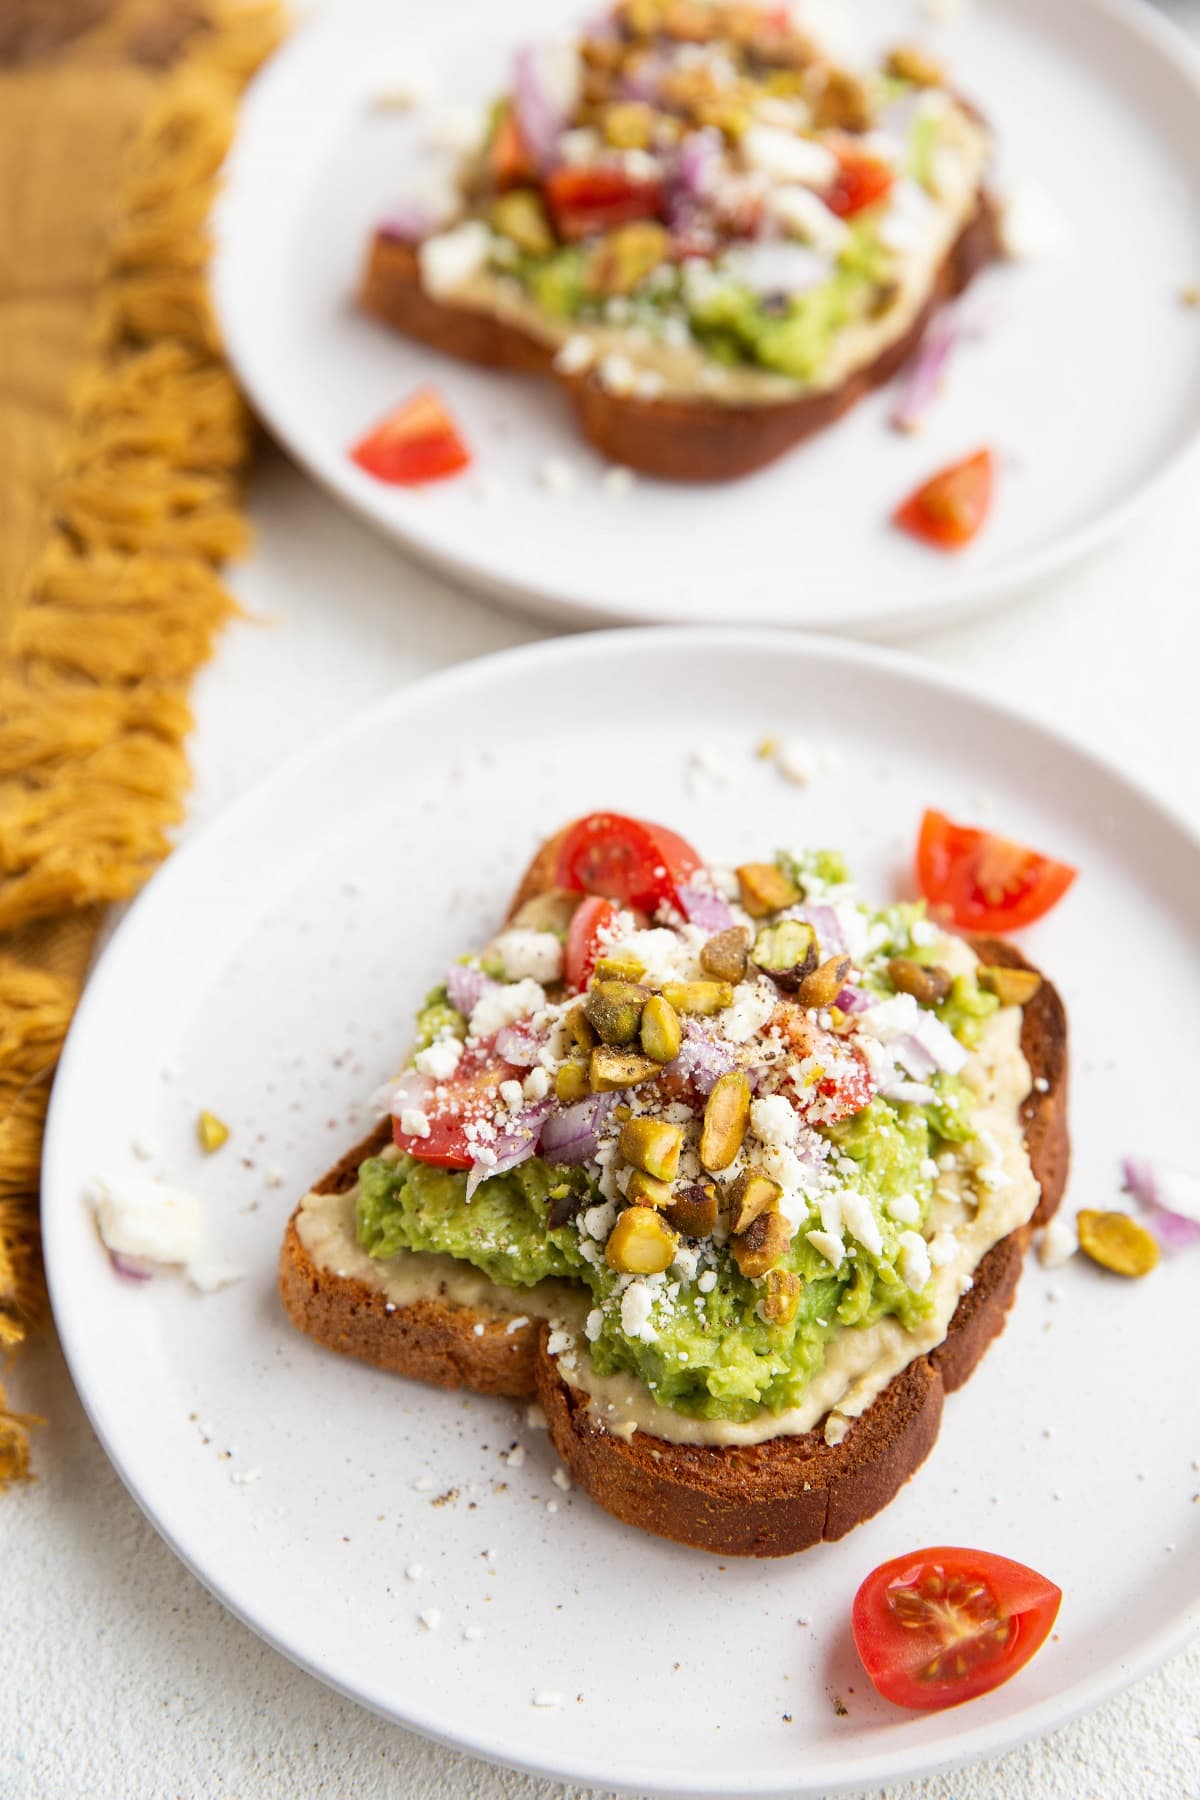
(123,1677)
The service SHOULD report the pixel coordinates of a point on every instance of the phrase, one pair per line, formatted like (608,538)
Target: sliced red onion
(777,268)
(465,987)
(926,374)
(133,1268)
(539,106)
(826,924)
(515,1143)
(916,1093)
(704,908)
(1170,1196)
(518,1047)
(642,82)
(702,1059)
(700,161)
(410,221)
(854,1000)
(914,1056)
(570,1133)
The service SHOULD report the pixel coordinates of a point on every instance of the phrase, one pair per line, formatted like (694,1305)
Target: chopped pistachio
(751,1194)
(580,1028)
(765,889)
(614,1010)
(1012,987)
(521,216)
(693,1211)
(844,102)
(823,985)
(927,985)
(623,258)
(552,910)
(703,997)
(641,1243)
(647,1190)
(662,1033)
(908,62)
(727,954)
(652,1144)
(571,1083)
(761,1245)
(629,125)
(788,951)
(612,1069)
(619,966)
(1117,1242)
(726,1116)
(212,1132)
(781,1297)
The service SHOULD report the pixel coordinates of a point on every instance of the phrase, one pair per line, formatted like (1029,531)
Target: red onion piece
(700,161)
(409,221)
(825,923)
(517,1047)
(133,1268)
(410,1088)
(538,113)
(1171,1198)
(854,1000)
(926,374)
(465,987)
(516,1143)
(913,1056)
(703,908)
(643,81)
(702,1059)
(570,1133)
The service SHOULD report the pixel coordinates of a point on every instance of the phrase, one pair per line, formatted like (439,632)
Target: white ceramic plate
(270,974)
(1087,380)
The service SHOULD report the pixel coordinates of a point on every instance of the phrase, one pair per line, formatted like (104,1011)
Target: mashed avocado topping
(748,1257)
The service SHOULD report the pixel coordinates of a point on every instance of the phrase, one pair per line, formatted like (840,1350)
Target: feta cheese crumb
(594,1325)
(516,1324)
(424,1484)
(557,476)
(617,373)
(617,480)
(503,1005)
(472,1633)
(575,355)
(245,1477)
(837,1427)
(450,259)
(144,1148)
(707,1281)
(904,1209)
(512,1094)
(786,157)
(774,1120)
(431,1618)
(440,1059)
(636,1305)
(1057,1242)
(546,1697)
(414,1122)
(913,1260)
(536,954)
(137,1216)
(535,1418)
(562,1480)
(861,1221)
(1030,223)
(536,1084)
(515,1457)
(414,1571)
(831,1248)
(796,761)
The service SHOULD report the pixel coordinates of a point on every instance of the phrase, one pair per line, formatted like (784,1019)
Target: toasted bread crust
(678,440)
(769,1499)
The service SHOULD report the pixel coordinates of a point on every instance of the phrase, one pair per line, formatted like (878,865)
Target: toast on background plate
(732,1171)
(713,235)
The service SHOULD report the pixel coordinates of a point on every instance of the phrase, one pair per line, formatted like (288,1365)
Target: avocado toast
(713,235)
(734,1172)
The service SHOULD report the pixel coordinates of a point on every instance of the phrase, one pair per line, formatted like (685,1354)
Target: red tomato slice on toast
(417,443)
(941,1626)
(983,882)
(584,202)
(861,180)
(470,1094)
(590,918)
(629,860)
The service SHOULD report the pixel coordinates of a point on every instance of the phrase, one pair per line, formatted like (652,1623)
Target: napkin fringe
(124,606)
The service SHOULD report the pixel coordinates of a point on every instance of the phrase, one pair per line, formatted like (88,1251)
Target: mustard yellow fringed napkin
(122,438)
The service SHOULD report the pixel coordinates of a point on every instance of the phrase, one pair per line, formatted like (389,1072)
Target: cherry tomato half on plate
(629,860)
(585,201)
(983,882)
(416,443)
(590,918)
(948,510)
(468,1094)
(861,180)
(944,1625)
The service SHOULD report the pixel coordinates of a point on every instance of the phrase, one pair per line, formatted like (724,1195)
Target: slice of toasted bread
(678,440)
(768,1499)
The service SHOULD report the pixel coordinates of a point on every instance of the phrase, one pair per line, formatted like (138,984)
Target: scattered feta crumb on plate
(618,480)
(1030,223)
(431,1618)
(557,476)
(546,1697)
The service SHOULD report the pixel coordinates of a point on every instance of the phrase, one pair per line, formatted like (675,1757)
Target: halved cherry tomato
(943,1625)
(949,508)
(589,919)
(508,158)
(585,201)
(984,882)
(416,443)
(861,180)
(629,860)
(469,1094)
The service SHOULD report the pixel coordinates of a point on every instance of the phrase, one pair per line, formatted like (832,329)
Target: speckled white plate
(1086,379)
(270,973)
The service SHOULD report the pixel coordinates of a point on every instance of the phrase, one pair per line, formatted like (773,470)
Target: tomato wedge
(948,510)
(943,1625)
(583,202)
(469,1095)
(629,860)
(861,180)
(508,159)
(983,882)
(416,443)
(591,917)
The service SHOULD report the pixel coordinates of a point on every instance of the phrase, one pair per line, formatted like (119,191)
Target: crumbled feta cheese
(207,1276)
(523,952)
(796,761)
(923,933)
(414,1572)
(245,1477)
(546,1697)
(439,1059)
(617,373)
(562,1480)
(137,1216)
(516,1324)
(753,1004)
(557,476)
(599,1220)
(904,1208)
(576,354)
(593,1325)
(407,82)
(459,129)
(860,1221)
(837,1425)
(786,157)
(559,1341)
(535,1418)
(503,1005)
(472,1634)
(777,267)
(513,1095)
(636,1304)
(450,259)
(1030,224)
(943,1248)
(913,1260)
(686,1260)
(617,480)
(1057,1242)
(431,1618)
(414,1122)
(911,218)
(536,1084)
(144,1148)
(515,1457)
(774,1120)
(648,384)
(803,214)
(831,1248)
(898,1017)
